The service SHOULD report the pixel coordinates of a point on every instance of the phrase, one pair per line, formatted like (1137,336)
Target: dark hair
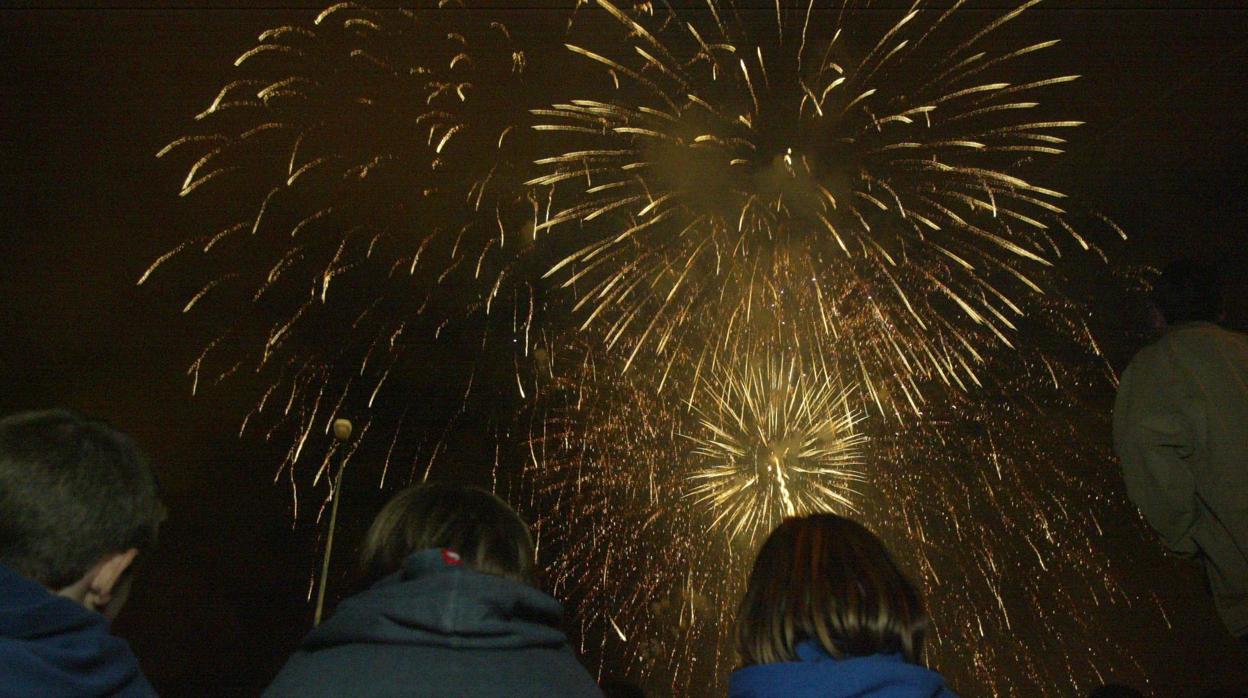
(71,491)
(826,578)
(488,535)
(1189,291)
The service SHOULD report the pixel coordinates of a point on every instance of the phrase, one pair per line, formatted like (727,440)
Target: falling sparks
(866,193)
(369,184)
(730,264)
(987,502)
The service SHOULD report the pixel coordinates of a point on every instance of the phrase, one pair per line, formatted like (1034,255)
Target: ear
(105,582)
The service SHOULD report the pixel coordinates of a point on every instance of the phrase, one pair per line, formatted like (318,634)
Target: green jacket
(1181,431)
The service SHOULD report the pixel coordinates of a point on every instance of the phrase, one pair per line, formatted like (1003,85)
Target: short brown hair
(826,578)
(71,491)
(487,533)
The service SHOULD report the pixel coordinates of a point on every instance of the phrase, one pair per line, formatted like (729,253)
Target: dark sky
(89,94)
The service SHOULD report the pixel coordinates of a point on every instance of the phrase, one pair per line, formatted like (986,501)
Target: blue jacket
(818,675)
(437,628)
(51,646)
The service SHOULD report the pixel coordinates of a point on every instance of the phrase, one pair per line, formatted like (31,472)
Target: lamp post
(342,431)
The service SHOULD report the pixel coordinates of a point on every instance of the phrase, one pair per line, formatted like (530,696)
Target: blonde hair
(826,578)
(486,533)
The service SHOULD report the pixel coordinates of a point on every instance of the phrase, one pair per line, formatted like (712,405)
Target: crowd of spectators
(452,606)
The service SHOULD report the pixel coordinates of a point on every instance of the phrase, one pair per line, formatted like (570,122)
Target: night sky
(90,94)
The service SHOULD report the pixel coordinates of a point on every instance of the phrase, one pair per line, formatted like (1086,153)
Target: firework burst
(370,161)
(792,163)
(774,440)
(987,502)
(749,211)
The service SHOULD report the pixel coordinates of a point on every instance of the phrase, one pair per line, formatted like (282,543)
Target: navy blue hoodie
(51,646)
(818,675)
(438,628)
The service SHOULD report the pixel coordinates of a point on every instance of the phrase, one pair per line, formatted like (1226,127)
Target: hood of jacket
(50,645)
(435,601)
(818,674)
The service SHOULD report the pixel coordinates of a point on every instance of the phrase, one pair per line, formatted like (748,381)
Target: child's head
(487,534)
(78,505)
(826,578)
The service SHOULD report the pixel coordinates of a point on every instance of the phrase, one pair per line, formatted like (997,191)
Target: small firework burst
(775,440)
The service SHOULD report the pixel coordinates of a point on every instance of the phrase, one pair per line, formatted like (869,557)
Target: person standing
(1181,433)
